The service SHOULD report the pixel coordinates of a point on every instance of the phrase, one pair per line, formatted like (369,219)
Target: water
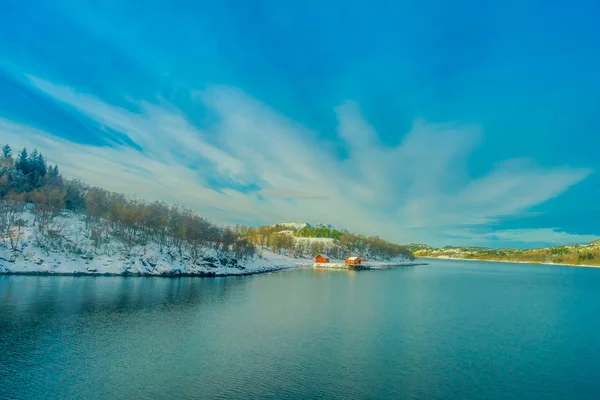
(450,330)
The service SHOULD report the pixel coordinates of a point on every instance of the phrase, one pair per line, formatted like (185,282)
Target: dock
(374,265)
(340,266)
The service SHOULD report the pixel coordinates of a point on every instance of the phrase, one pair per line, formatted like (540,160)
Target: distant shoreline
(510,262)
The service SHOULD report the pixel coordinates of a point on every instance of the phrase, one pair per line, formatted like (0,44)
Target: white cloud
(390,191)
(161,131)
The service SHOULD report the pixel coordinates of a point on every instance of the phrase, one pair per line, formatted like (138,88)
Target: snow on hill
(326,241)
(112,259)
(300,225)
(294,225)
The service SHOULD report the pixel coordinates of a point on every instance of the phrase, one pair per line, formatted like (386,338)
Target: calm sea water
(449,330)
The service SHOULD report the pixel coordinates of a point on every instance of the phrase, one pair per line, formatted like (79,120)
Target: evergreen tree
(33,156)
(36,169)
(52,172)
(6,162)
(53,176)
(6,152)
(39,164)
(22,163)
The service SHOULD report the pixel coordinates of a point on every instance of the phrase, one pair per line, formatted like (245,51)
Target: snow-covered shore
(73,252)
(139,266)
(77,255)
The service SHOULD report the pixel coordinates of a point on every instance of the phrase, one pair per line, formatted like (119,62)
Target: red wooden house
(352,261)
(321,258)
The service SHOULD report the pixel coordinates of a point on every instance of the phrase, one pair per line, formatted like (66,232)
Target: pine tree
(36,169)
(53,177)
(40,165)
(6,152)
(33,160)
(51,172)
(6,162)
(22,163)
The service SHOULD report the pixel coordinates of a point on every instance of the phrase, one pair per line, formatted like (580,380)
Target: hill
(585,255)
(306,240)
(49,224)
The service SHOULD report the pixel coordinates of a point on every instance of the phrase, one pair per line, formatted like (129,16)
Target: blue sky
(419,121)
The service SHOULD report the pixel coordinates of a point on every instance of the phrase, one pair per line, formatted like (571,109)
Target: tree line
(319,232)
(337,244)
(29,182)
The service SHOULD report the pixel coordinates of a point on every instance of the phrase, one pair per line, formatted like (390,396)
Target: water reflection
(41,298)
(444,331)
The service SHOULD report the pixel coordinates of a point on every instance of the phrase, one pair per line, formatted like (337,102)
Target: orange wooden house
(320,258)
(352,261)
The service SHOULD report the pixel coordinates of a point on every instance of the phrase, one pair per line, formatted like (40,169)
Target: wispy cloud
(254,165)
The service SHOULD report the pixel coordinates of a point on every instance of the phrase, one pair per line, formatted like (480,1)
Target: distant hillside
(415,247)
(572,255)
(303,239)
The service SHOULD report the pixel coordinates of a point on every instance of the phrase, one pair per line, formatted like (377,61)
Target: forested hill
(573,255)
(312,240)
(35,201)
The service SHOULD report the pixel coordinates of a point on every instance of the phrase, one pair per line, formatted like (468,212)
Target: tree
(53,176)
(6,162)
(176,228)
(225,241)
(11,212)
(75,193)
(39,164)
(6,152)
(200,234)
(32,160)
(48,203)
(316,248)
(22,163)
(157,224)
(37,169)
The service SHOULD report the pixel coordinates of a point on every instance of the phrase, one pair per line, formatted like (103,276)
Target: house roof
(353,258)
(322,255)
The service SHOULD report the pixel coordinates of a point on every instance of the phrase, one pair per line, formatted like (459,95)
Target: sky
(446,123)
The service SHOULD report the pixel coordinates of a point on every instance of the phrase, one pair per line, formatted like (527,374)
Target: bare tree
(12,207)
(201,235)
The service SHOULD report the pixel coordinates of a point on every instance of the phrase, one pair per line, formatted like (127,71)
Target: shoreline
(378,266)
(199,274)
(510,262)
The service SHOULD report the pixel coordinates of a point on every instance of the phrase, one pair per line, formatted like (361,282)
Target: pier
(373,265)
